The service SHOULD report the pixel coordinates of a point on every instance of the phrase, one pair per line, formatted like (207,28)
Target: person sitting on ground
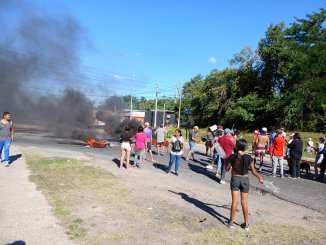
(192,143)
(160,139)
(319,155)
(241,162)
(262,142)
(176,151)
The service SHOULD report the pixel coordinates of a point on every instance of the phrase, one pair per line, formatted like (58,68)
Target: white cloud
(212,60)
(117,77)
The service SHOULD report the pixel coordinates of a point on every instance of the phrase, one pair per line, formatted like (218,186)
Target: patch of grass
(109,238)
(73,189)
(188,228)
(68,185)
(260,233)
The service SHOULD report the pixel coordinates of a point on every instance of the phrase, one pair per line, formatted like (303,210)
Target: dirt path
(25,215)
(190,202)
(166,209)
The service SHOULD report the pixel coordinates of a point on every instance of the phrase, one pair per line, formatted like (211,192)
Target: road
(304,192)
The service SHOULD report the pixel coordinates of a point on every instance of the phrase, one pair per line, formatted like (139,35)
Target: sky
(169,42)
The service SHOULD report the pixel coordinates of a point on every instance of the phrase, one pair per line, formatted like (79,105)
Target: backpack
(177,146)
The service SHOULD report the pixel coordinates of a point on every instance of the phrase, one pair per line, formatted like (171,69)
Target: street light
(133,78)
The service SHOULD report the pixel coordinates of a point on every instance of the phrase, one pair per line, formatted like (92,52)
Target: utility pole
(155,118)
(122,109)
(164,111)
(180,95)
(132,85)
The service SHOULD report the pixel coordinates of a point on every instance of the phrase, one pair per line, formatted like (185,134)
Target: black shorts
(240,183)
(209,144)
(149,146)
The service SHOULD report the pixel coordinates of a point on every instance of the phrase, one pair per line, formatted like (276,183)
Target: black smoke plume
(111,111)
(39,65)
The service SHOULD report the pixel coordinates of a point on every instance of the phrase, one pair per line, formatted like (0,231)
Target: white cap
(195,127)
(264,129)
(146,124)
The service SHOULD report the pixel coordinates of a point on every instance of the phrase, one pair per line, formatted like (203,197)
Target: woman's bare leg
(235,199)
(122,158)
(244,204)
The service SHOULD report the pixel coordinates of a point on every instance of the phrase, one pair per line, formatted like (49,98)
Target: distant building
(96,120)
(138,115)
(168,120)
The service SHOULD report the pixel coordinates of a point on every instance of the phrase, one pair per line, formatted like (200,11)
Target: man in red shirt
(227,142)
(278,152)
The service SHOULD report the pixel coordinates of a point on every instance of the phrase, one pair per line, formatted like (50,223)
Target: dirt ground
(187,209)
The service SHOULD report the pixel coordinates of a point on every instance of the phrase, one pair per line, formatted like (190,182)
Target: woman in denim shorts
(241,162)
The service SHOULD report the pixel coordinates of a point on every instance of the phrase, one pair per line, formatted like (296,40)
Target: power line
(64,64)
(113,83)
(87,83)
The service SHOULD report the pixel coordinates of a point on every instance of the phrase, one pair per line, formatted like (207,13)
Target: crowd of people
(228,151)
(220,144)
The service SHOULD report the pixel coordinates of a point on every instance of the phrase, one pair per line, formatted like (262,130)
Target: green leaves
(283,82)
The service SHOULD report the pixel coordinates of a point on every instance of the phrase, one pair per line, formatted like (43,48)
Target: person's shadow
(160,166)
(201,170)
(204,206)
(17,243)
(14,158)
(117,162)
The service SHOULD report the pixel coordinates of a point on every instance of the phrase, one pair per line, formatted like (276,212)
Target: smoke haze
(39,73)
(39,54)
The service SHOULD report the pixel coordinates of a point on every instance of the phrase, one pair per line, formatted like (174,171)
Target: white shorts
(125,146)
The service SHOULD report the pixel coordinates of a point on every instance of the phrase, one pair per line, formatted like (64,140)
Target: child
(241,162)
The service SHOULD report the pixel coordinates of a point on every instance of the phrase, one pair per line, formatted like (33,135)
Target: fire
(166,142)
(96,144)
